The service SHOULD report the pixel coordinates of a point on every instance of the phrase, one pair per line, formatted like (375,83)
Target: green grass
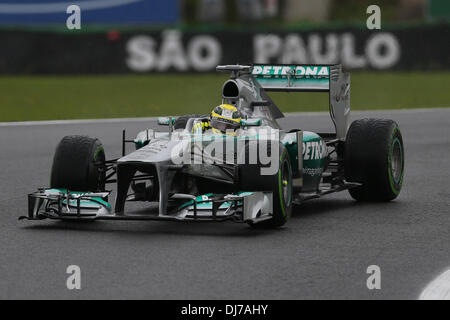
(82,97)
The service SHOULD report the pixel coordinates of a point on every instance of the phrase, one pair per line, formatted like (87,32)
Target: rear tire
(374,157)
(78,164)
(280,184)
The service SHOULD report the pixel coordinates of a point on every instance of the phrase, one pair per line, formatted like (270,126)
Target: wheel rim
(396,160)
(100,170)
(286,184)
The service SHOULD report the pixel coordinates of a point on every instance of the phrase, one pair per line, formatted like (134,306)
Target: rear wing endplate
(306,78)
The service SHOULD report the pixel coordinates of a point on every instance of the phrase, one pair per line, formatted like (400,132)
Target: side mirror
(251,122)
(165,121)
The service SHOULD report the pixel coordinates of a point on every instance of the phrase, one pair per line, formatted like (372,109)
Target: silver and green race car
(254,175)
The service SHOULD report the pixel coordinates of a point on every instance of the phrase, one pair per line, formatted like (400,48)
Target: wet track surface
(322,252)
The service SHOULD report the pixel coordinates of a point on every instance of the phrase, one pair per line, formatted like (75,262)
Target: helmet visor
(224,125)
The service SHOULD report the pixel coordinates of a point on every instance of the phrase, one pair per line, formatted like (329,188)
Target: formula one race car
(253,174)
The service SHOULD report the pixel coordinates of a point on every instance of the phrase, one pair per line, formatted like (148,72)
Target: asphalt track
(323,252)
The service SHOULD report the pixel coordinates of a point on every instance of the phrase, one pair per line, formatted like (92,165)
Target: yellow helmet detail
(200,126)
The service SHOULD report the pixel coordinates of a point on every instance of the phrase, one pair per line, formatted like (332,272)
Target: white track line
(76,121)
(146,119)
(386,111)
(438,289)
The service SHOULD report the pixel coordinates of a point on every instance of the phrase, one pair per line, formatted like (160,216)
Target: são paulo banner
(172,50)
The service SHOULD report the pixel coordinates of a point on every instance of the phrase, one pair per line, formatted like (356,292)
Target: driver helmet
(226,119)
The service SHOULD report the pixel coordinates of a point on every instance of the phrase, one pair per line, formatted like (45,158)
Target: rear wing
(307,78)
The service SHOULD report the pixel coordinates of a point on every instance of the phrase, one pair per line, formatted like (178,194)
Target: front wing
(63,204)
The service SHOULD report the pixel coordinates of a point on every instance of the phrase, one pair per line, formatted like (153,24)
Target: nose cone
(157,151)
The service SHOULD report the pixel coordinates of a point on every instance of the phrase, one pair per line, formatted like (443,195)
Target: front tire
(78,164)
(280,184)
(374,157)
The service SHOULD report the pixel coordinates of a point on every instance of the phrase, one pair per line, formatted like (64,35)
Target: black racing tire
(181,121)
(280,184)
(78,164)
(374,156)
